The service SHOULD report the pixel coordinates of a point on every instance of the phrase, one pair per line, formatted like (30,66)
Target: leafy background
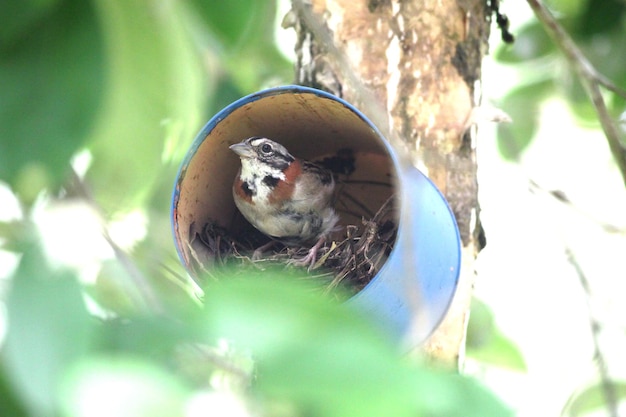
(105,324)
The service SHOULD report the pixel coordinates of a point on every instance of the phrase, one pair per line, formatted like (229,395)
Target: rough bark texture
(413,67)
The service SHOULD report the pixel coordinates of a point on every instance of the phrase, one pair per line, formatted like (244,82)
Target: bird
(287,198)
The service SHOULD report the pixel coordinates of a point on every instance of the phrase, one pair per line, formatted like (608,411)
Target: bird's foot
(311,257)
(258,252)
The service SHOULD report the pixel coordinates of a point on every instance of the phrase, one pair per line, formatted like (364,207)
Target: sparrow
(287,198)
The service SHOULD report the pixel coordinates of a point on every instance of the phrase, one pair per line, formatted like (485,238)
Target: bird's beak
(243,149)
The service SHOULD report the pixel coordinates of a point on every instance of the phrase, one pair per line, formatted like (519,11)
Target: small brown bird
(287,198)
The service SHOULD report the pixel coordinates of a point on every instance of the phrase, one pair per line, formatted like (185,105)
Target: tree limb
(607,385)
(590,78)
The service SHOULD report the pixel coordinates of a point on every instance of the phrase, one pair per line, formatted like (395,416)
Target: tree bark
(413,67)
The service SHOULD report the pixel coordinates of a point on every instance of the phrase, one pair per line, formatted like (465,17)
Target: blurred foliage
(487,344)
(43,305)
(119,88)
(51,78)
(290,349)
(130,81)
(592,399)
(523,106)
(100,101)
(599,29)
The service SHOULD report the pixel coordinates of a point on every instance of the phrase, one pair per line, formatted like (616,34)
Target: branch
(590,78)
(562,198)
(607,386)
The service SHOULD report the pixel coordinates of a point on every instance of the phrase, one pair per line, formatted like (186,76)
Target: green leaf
(601,16)
(325,359)
(231,20)
(10,404)
(593,398)
(600,50)
(247,48)
(577,99)
(225,94)
(146,336)
(500,352)
(531,42)
(487,344)
(481,326)
(522,105)
(568,8)
(49,329)
(155,94)
(25,15)
(268,310)
(51,81)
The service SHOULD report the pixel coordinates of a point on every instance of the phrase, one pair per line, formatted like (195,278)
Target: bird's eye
(266,148)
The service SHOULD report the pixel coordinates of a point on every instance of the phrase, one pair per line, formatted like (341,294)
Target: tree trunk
(413,67)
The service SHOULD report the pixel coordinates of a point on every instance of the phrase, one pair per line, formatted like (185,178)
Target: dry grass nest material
(348,263)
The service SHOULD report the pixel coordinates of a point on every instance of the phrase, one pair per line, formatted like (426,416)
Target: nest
(349,262)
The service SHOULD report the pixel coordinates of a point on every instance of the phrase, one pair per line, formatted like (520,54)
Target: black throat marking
(270,181)
(246,189)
